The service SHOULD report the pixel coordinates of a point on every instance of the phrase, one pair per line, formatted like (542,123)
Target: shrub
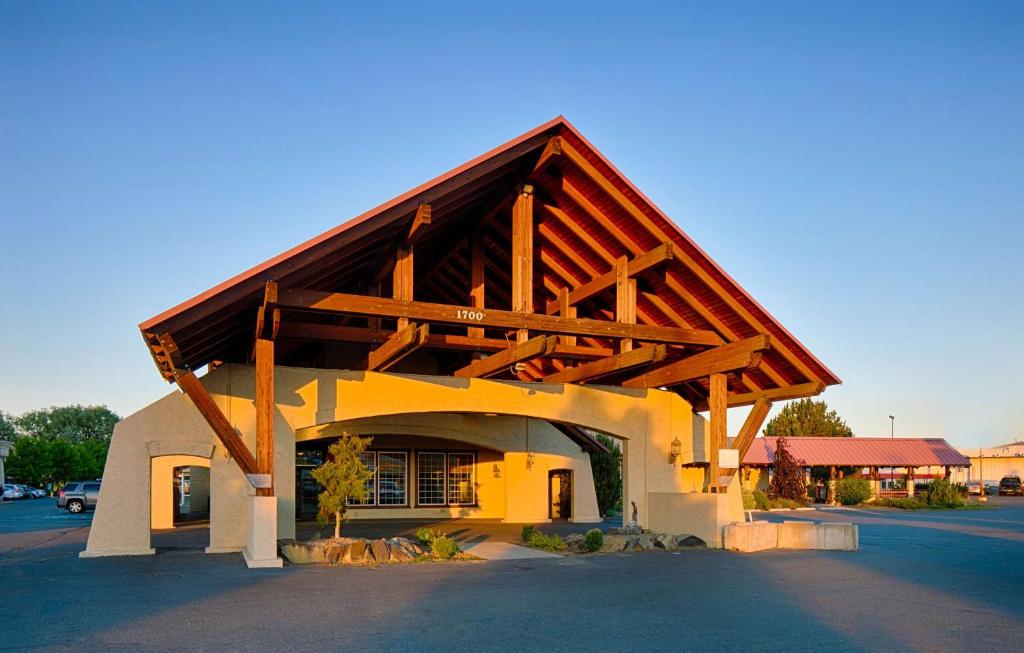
(748,500)
(902,504)
(425,535)
(786,503)
(761,500)
(544,542)
(851,491)
(444,547)
(593,540)
(527,531)
(942,494)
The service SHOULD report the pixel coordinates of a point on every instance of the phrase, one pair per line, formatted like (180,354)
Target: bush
(527,531)
(902,504)
(786,503)
(851,491)
(761,500)
(748,500)
(593,540)
(425,536)
(444,547)
(943,494)
(544,542)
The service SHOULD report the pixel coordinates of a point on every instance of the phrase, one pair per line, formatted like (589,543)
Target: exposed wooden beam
(635,266)
(775,394)
(419,224)
(398,346)
(206,406)
(625,299)
(477,280)
(741,355)
(265,413)
(450,342)
(607,366)
(345,304)
(551,150)
(522,255)
(566,309)
(718,432)
(751,426)
(501,361)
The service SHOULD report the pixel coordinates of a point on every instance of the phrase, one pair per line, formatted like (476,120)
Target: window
(430,474)
(461,490)
(391,478)
(388,484)
(369,459)
(91,487)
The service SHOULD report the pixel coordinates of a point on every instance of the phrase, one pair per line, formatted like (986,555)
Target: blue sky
(858,167)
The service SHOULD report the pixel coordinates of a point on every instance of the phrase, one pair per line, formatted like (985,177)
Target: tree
(71,423)
(607,470)
(788,480)
(807,417)
(29,461)
(343,476)
(7,430)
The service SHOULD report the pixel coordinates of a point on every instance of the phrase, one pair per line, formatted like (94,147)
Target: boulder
(399,553)
(302,553)
(380,550)
(357,552)
(642,543)
(574,542)
(665,542)
(687,541)
(614,543)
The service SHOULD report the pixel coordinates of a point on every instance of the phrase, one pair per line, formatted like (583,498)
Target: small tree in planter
(788,480)
(343,476)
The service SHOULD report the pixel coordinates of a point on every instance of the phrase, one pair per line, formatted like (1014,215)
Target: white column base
(261,534)
(106,553)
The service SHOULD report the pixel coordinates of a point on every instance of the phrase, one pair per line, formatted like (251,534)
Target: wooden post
(910,482)
(625,299)
(476,288)
(265,413)
(949,472)
(832,484)
(565,309)
(875,489)
(717,439)
(402,278)
(522,255)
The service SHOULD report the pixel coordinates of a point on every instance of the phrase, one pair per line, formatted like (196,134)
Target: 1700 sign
(464,314)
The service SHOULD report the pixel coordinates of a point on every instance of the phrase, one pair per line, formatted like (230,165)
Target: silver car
(79,496)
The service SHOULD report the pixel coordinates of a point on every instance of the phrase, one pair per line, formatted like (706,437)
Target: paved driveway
(922,581)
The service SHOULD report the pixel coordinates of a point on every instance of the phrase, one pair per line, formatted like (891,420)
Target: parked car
(12,492)
(974,487)
(1011,486)
(79,496)
(36,493)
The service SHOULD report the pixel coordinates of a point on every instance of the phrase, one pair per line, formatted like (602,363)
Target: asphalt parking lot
(931,581)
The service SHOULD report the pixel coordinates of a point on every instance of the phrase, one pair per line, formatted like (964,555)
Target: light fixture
(675,450)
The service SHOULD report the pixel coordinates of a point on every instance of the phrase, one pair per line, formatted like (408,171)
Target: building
(992,464)
(890,464)
(478,327)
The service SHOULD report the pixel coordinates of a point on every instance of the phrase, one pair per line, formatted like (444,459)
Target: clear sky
(858,167)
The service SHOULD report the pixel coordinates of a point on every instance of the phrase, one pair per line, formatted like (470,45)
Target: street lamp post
(892,426)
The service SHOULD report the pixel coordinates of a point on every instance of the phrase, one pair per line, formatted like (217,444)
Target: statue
(634,512)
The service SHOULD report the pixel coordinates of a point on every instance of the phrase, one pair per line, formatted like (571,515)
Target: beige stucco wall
(992,468)
(308,401)
(161,510)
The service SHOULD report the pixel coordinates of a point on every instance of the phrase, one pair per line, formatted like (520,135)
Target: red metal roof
(859,452)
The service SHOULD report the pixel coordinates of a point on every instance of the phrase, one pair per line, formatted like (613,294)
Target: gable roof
(858,452)
(694,292)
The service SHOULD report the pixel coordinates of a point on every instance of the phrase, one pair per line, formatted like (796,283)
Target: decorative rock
(300,553)
(614,543)
(643,543)
(687,541)
(380,550)
(357,552)
(574,542)
(664,542)
(399,554)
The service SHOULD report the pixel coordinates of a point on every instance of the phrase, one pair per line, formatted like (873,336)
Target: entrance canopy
(858,452)
(538,261)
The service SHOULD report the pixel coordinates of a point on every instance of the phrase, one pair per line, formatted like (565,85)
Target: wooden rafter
(751,426)
(341,303)
(633,267)
(607,366)
(503,360)
(776,394)
(734,356)
(551,150)
(398,346)
(420,222)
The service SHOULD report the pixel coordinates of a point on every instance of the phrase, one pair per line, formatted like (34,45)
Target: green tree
(7,430)
(607,471)
(343,476)
(71,423)
(788,477)
(29,461)
(807,417)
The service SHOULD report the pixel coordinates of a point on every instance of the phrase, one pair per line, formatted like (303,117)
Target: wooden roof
(587,216)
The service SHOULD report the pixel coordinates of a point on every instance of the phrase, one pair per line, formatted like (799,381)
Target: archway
(179,502)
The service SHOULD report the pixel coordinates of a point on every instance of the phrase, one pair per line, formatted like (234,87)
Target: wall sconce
(675,450)
(496,470)
(529,460)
